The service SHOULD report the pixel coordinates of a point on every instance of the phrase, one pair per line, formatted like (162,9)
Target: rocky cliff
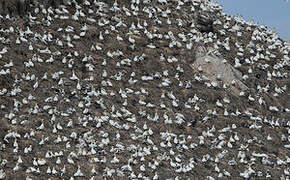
(151,89)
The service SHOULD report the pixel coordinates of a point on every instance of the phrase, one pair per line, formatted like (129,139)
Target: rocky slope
(120,90)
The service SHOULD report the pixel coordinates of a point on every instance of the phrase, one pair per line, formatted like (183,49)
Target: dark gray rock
(205,24)
(13,7)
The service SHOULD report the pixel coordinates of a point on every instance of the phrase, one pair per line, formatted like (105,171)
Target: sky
(275,14)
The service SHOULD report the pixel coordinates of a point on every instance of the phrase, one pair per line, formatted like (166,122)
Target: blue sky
(275,14)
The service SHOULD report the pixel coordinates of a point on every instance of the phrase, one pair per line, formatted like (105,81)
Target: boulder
(204,24)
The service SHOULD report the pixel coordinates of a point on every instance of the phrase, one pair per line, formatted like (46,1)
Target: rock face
(219,72)
(13,7)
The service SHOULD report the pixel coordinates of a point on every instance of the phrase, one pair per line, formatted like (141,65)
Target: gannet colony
(140,89)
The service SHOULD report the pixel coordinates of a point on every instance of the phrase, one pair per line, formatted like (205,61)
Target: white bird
(119,38)
(131,40)
(155,177)
(4,50)
(142,168)
(69,160)
(74,77)
(48,171)
(219,104)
